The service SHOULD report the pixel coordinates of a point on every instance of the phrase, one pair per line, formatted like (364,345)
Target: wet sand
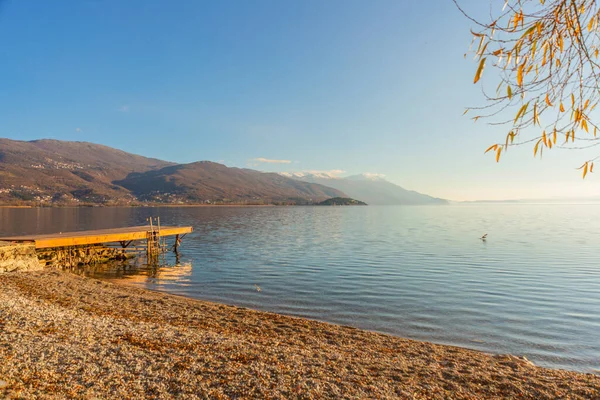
(66,336)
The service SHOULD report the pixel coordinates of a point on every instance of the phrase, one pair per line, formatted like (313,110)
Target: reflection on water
(139,273)
(533,288)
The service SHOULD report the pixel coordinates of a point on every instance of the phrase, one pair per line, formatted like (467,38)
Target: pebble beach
(67,336)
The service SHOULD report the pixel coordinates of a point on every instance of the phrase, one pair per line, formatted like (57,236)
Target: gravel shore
(65,336)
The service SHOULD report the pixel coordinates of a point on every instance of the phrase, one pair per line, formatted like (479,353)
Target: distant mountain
(59,172)
(208,181)
(52,172)
(372,189)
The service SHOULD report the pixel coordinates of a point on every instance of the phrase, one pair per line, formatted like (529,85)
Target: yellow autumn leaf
(561,43)
(545,53)
(509,91)
(584,125)
(544,138)
(515,21)
(520,74)
(476,34)
(498,151)
(554,136)
(521,112)
(562,108)
(479,70)
(572,100)
(548,100)
(492,147)
(592,167)
(535,148)
(585,170)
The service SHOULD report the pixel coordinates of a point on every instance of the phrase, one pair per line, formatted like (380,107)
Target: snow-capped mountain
(310,175)
(373,189)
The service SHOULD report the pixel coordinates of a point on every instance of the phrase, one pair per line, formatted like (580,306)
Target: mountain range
(370,188)
(53,172)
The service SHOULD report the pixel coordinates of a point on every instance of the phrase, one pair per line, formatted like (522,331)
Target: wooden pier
(101,236)
(88,247)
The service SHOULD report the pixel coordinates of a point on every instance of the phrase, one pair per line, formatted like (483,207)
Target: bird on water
(484,237)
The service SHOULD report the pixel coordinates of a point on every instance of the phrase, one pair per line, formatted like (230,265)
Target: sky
(349,86)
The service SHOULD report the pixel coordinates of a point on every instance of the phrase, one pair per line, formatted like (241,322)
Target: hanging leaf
(544,138)
(521,112)
(520,74)
(479,70)
(509,91)
(498,151)
(548,100)
(492,147)
(535,148)
(561,43)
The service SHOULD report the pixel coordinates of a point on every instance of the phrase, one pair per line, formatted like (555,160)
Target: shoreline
(124,341)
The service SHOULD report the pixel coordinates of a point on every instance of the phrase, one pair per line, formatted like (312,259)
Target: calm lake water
(533,288)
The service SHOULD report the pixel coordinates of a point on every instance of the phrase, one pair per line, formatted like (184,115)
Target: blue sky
(355,86)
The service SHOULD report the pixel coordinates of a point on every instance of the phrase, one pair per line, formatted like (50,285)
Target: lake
(533,288)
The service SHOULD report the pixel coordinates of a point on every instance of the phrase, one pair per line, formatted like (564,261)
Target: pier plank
(115,235)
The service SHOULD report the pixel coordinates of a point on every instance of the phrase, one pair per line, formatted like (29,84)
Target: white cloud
(78,130)
(270,161)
